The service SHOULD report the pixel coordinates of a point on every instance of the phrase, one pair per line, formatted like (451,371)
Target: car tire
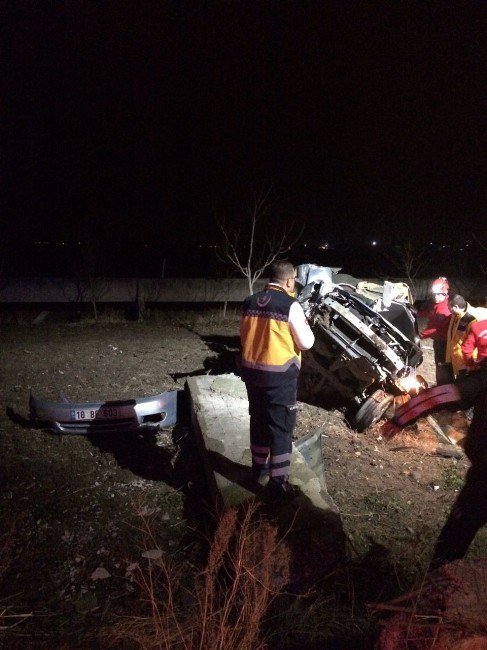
(372,410)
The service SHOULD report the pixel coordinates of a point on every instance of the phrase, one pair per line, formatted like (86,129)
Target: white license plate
(104,413)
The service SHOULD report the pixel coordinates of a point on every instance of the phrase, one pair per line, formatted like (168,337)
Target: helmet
(440,285)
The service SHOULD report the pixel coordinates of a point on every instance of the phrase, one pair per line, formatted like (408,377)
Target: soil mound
(449,611)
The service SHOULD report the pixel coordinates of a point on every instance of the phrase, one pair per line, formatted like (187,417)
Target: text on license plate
(104,413)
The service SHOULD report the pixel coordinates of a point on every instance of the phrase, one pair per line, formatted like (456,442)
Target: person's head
(457,304)
(283,274)
(440,289)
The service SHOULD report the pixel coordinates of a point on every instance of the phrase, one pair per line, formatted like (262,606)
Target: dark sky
(143,117)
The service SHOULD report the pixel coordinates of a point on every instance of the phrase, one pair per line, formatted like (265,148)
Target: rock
(450,451)
(100,574)
(152,554)
(130,569)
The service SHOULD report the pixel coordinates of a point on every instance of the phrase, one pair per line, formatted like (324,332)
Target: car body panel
(108,416)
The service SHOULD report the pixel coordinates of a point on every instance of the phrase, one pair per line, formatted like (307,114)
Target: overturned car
(367,345)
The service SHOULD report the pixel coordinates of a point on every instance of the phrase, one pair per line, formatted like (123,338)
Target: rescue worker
(474,347)
(461,319)
(273,332)
(437,328)
(469,512)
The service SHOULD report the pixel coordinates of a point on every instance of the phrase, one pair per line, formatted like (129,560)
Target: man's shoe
(282,490)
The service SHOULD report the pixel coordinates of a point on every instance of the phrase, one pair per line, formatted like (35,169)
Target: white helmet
(440,285)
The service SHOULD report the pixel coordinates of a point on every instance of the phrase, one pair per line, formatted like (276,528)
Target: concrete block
(311,523)
(220,415)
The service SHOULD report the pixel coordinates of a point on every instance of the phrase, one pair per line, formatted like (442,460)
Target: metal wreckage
(367,344)
(367,348)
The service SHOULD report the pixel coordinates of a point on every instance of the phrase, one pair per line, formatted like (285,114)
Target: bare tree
(410,260)
(481,260)
(3,257)
(254,243)
(483,246)
(87,263)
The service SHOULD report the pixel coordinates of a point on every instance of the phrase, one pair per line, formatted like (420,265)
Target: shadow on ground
(227,349)
(173,461)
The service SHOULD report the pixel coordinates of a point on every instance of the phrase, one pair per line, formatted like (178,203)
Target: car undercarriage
(367,346)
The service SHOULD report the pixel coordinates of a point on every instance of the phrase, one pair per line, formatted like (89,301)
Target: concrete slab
(220,414)
(311,523)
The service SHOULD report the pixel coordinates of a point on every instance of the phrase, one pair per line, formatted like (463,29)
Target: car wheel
(372,409)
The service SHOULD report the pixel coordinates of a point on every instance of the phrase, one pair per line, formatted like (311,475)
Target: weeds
(225,604)
(8,619)
(447,610)
(452,477)
(378,505)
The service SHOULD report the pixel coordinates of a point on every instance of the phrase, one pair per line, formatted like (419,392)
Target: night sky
(141,119)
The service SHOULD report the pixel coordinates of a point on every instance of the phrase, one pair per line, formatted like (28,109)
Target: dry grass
(8,618)
(224,605)
(448,610)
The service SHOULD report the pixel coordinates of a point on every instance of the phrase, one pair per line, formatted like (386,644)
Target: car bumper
(110,416)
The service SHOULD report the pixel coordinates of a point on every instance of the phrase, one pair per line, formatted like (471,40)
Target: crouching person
(469,512)
(273,332)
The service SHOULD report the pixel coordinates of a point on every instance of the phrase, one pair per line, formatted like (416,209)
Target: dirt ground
(73,508)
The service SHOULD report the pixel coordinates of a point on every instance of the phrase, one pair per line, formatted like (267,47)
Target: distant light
(374,243)
(324,247)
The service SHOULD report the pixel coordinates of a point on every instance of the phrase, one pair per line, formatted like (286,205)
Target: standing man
(461,319)
(437,328)
(273,331)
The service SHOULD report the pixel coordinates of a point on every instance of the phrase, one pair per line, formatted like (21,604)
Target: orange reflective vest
(457,331)
(269,354)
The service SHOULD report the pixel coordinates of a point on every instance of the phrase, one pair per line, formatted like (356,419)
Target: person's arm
(430,328)
(468,346)
(437,325)
(301,331)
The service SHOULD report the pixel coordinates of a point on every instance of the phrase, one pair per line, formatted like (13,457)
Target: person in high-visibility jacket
(273,331)
(437,328)
(474,347)
(460,321)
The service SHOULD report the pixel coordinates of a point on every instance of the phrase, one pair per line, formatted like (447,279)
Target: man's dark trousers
(272,420)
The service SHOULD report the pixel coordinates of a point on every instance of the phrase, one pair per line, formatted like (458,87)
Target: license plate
(105,413)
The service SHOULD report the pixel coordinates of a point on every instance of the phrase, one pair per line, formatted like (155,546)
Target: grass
(452,478)
(379,505)
(9,617)
(239,599)
(223,605)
